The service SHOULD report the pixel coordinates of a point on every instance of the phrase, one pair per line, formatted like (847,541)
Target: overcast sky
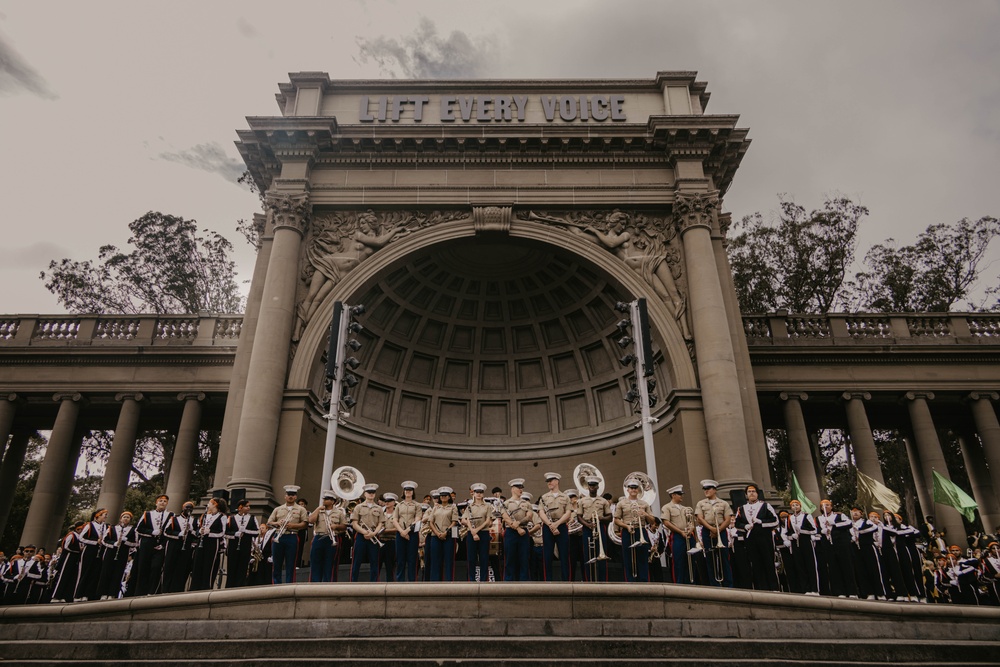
(109,110)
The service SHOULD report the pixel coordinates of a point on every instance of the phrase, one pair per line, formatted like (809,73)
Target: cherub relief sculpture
(642,243)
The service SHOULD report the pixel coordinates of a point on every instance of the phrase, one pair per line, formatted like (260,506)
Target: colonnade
(980,444)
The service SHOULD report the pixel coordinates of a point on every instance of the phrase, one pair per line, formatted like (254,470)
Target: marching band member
(90,551)
(594,511)
(555,514)
(892,573)
(287,519)
(675,517)
(241,530)
(516,540)
(443,517)
(387,552)
(903,555)
(261,572)
(866,540)
(962,576)
(803,528)
(991,571)
(368,520)
(181,539)
(757,519)
(147,566)
(69,565)
(18,586)
(575,531)
(406,520)
(478,518)
(715,516)
(208,554)
(118,541)
(631,515)
(35,576)
(324,555)
(908,535)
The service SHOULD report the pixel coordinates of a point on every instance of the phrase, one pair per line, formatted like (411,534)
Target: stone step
(516,650)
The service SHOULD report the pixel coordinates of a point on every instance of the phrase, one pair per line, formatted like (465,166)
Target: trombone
(717,562)
(598,549)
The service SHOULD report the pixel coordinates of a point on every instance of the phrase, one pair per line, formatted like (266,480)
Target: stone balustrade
(853,329)
(119,330)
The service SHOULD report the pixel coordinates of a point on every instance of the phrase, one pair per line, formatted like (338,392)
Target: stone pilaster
(988,428)
(931,455)
(9,472)
(45,501)
(185,451)
(258,430)
(116,474)
(717,372)
(798,444)
(861,434)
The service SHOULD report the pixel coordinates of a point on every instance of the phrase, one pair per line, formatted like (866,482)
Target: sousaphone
(348,483)
(647,490)
(580,475)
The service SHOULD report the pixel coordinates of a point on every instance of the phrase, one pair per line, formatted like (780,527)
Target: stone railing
(119,330)
(872,329)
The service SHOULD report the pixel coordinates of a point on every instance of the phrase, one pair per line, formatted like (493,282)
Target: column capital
(914,395)
(695,210)
(849,395)
(793,395)
(287,210)
(191,396)
(983,395)
(76,397)
(130,395)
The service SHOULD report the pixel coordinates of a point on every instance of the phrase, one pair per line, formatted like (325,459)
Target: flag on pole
(875,495)
(799,495)
(948,493)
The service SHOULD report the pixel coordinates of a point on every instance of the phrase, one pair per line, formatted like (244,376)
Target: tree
(933,274)
(796,260)
(171,269)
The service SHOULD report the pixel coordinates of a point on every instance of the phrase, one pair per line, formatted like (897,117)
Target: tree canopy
(169,269)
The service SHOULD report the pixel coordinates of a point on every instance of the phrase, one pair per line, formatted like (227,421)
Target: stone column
(798,444)
(861,434)
(932,459)
(185,451)
(51,477)
(269,359)
(717,373)
(988,428)
(8,406)
(982,489)
(9,473)
(923,497)
(241,363)
(116,474)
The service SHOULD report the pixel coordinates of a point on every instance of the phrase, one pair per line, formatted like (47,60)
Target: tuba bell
(348,483)
(646,488)
(580,475)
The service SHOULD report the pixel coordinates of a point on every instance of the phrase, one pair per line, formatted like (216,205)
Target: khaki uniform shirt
(368,516)
(337,517)
(627,509)
(443,515)
(675,513)
(554,505)
(407,513)
(298,514)
(714,512)
(477,513)
(519,510)
(587,507)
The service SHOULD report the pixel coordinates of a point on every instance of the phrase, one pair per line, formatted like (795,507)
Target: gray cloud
(210,157)
(33,256)
(426,55)
(17,75)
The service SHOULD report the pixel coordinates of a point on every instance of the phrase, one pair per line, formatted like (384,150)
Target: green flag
(875,495)
(799,495)
(948,493)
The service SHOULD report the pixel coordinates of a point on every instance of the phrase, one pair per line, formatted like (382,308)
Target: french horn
(580,475)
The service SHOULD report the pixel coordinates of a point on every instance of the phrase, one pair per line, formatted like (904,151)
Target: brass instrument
(580,475)
(281,528)
(349,485)
(256,554)
(329,526)
(599,547)
(717,559)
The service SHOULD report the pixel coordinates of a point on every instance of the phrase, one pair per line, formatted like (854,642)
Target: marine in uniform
(536,559)
(757,519)
(443,518)
(368,520)
(477,518)
(593,512)
(327,521)
(425,533)
(210,549)
(147,564)
(241,530)
(677,517)
(553,509)
(406,520)
(516,541)
(118,542)
(715,516)
(632,515)
(181,535)
(287,519)
(575,530)
(387,552)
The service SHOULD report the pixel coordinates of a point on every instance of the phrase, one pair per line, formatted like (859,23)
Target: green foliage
(22,494)
(797,260)
(170,269)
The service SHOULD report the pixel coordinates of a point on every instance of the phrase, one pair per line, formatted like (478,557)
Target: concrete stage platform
(497,624)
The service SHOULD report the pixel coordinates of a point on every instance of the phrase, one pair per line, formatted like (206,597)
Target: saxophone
(256,554)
